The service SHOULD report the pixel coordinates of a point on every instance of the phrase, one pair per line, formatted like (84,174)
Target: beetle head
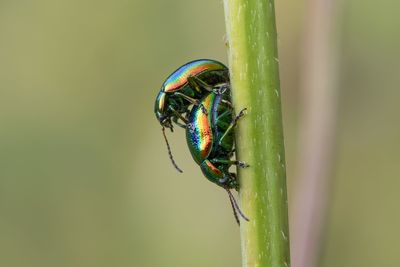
(232,183)
(166,122)
(161,110)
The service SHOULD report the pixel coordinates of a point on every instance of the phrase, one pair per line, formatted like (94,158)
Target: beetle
(184,88)
(210,138)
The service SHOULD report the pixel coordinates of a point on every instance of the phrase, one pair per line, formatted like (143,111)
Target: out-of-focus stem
(254,70)
(317,131)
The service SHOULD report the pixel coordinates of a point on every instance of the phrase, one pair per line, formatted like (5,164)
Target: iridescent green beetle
(184,88)
(210,138)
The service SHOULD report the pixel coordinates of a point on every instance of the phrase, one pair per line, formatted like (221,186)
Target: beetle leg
(193,101)
(221,89)
(233,124)
(222,119)
(223,114)
(178,115)
(241,164)
(175,120)
(198,85)
(222,124)
(229,104)
(238,163)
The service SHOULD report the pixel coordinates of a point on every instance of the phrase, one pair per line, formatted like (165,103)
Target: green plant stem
(254,70)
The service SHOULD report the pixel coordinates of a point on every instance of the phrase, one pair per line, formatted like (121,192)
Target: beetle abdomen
(199,132)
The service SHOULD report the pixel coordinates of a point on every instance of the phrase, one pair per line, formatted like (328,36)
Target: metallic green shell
(199,130)
(211,172)
(208,122)
(208,71)
(179,78)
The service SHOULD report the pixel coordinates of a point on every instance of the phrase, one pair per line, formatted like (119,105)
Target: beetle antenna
(236,206)
(233,208)
(169,152)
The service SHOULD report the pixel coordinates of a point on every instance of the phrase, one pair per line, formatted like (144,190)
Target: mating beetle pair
(204,86)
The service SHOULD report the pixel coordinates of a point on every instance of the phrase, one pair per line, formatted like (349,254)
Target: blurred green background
(84,175)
